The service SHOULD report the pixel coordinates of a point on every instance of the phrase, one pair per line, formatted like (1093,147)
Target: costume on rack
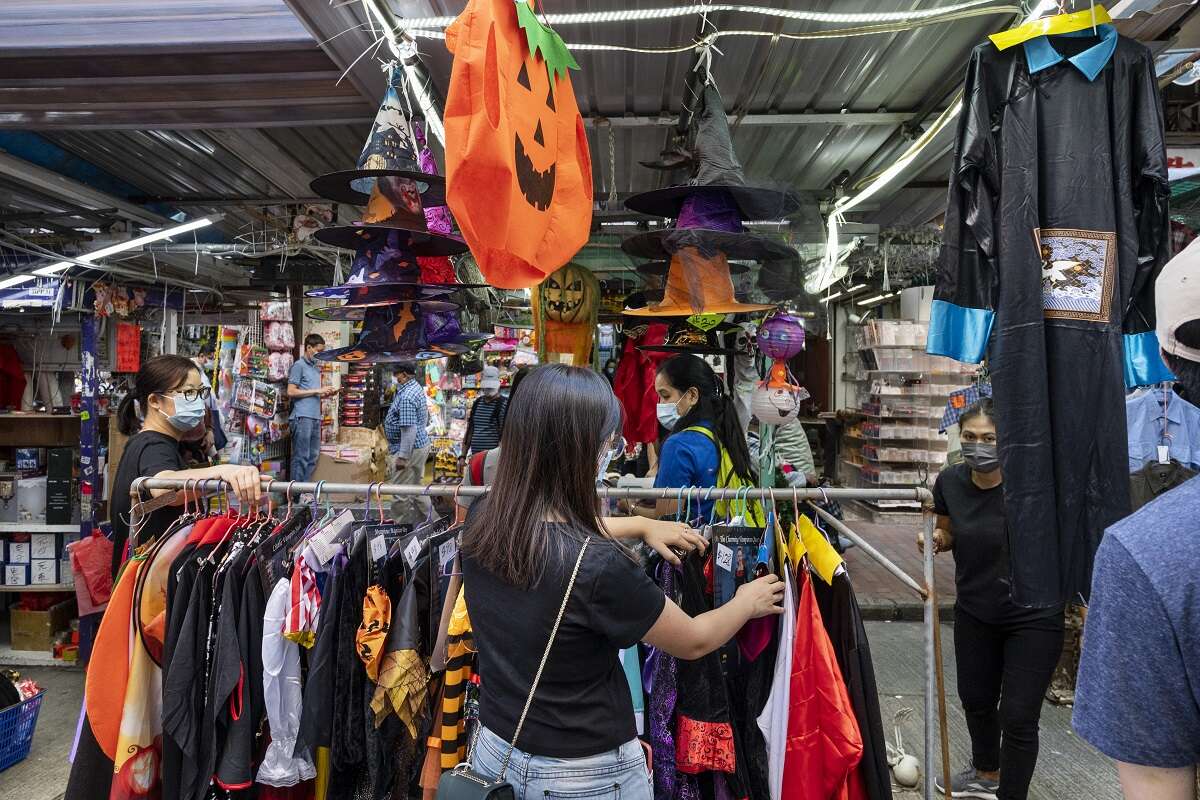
(1055,230)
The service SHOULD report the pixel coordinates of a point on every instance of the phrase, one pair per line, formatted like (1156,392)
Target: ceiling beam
(881,118)
(340,31)
(72,192)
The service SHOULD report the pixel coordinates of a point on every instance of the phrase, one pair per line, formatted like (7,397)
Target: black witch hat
(717,171)
(388,153)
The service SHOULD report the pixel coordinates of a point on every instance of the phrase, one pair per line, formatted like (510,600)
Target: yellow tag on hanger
(1050,26)
(821,555)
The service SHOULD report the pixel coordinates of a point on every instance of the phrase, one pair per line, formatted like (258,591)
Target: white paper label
(725,557)
(378,548)
(1164,454)
(446,553)
(412,552)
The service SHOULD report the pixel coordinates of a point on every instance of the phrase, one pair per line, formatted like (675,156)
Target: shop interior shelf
(43,587)
(37,527)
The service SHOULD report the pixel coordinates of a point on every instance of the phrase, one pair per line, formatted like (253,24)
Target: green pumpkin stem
(545,42)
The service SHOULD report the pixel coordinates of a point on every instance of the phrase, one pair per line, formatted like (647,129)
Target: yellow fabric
(460,666)
(321,787)
(727,478)
(373,631)
(821,555)
(402,689)
(1050,26)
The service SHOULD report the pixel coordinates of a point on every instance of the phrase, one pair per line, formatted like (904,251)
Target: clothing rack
(935,693)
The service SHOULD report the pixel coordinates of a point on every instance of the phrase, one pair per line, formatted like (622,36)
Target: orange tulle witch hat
(698,284)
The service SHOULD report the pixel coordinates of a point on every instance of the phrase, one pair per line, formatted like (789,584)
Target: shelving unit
(37,527)
(901,396)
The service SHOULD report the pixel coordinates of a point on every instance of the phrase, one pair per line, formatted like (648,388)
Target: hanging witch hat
(406,332)
(709,214)
(717,171)
(703,334)
(388,153)
(389,261)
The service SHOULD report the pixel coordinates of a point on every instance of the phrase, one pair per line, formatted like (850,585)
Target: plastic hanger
(1052,26)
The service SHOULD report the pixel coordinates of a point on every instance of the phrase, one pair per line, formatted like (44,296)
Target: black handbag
(463,783)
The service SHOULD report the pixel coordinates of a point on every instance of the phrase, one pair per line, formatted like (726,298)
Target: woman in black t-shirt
(165,404)
(1005,653)
(520,547)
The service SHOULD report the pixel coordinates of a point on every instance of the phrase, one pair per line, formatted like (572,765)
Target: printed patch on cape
(1078,270)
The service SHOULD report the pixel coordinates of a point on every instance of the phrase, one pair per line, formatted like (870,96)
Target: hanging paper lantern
(777,405)
(781,336)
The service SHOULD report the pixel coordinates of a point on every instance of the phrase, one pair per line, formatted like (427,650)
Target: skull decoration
(518,168)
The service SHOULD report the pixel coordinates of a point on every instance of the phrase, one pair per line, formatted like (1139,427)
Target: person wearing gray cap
(1138,694)
(487,414)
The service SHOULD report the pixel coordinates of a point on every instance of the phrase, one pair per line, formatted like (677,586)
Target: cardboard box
(35,630)
(18,552)
(16,574)
(60,505)
(363,460)
(61,463)
(44,545)
(43,572)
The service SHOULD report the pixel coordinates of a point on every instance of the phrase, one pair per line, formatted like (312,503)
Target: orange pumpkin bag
(518,168)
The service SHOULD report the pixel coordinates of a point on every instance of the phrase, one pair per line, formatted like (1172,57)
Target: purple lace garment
(669,784)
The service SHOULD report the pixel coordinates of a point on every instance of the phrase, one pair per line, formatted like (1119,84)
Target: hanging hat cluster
(400,280)
(710,212)
(776,401)
(519,177)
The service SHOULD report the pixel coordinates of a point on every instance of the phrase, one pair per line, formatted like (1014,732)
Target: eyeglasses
(191,394)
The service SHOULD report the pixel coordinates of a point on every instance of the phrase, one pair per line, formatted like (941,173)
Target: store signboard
(42,293)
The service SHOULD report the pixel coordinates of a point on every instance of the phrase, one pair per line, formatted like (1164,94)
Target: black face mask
(981,457)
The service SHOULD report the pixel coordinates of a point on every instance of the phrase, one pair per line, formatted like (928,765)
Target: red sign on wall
(129,347)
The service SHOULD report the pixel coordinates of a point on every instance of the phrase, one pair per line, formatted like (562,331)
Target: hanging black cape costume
(1055,230)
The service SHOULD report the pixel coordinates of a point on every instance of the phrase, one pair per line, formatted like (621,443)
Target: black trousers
(1003,674)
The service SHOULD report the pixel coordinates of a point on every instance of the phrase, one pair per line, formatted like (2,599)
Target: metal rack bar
(934,688)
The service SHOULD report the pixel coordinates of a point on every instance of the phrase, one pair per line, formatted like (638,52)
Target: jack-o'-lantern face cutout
(534,153)
(518,169)
(569,295)
(352,355)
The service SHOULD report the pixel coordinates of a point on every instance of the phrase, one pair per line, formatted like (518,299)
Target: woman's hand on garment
(942,541)
(672,539)
(761,596)
(244,482)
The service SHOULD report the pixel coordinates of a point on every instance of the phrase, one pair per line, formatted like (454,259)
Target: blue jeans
(306,446)
(619,774)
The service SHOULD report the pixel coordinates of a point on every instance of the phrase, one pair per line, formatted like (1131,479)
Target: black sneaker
(968,784)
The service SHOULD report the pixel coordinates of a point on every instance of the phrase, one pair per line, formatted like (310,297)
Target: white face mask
(668,414)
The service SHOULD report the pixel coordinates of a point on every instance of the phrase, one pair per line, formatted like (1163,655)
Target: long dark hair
(159,375)
(983,407)
(558,424)
(517,377)
(715,407)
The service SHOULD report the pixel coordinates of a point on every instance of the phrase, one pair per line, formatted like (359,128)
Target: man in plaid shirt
(408,443)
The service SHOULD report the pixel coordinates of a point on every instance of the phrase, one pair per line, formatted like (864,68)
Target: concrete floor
(1068,769)
(43,775)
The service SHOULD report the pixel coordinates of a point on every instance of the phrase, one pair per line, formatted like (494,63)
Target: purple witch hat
(406,332)
(711,222)
(389,261)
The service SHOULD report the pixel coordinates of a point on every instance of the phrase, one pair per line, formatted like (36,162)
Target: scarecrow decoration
(518,169)
(565,311)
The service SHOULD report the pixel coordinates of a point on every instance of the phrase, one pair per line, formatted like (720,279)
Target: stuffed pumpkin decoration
(518,169)
(565,311)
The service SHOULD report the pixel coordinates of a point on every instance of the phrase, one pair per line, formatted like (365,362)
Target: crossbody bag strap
(545,657)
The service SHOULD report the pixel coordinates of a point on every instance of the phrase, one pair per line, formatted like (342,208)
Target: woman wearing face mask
(702,422)
(536,550)
(166,404)
(1006,654)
